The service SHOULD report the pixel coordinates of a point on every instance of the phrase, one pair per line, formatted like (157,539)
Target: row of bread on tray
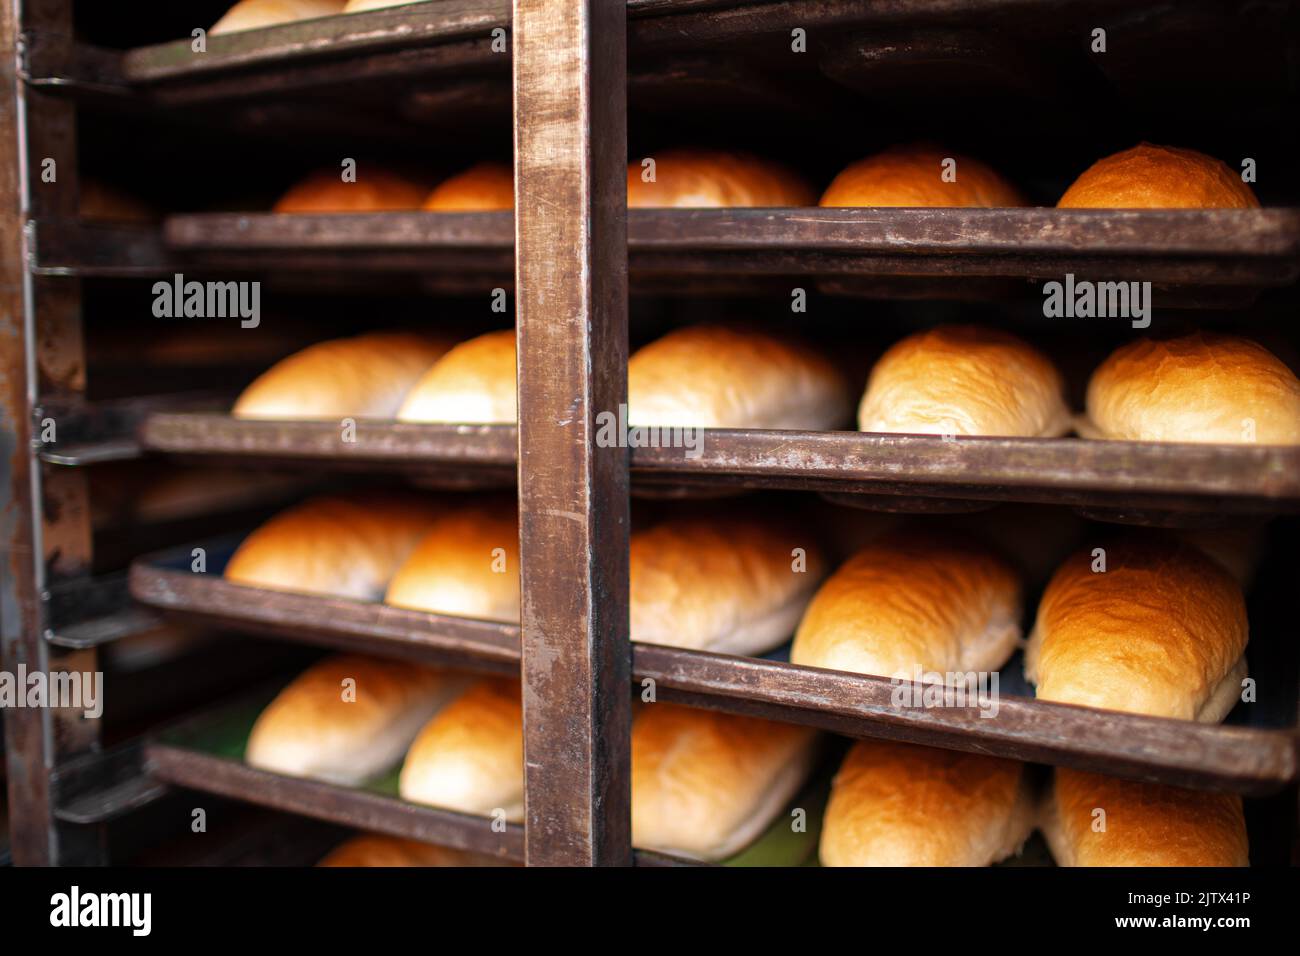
(948,380)
(909,176)
(1142,623)
(707,785)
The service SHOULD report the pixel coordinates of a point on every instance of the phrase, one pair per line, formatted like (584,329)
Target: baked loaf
(895,804)
(913,176)
(486,187)
(1144,824)
(255,14)
(474,383)
(374,849)
(345,733)
(470,757)
(702,178)
(1159,177)
(1202,387)
(964,380)
(1162,631)
(913,601)
(366,376)
(717,377)
(467,564)
(375,190)
(725,584)
(342,546)
(705,784)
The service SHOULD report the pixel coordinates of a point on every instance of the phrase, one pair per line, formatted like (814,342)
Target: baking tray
(1137,482)
(1255,752)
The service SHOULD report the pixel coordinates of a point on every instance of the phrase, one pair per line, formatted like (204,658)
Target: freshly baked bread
(895,804)
(1162,631)
(467,564)
(913,600)
(964,380)
(375,849)
(470,757)
(375,190)
(1202,387)
(487,187)
(702,178)
(366,376)
(725,584)
(348,718)
(914,176)
(255,14)
(342,546)
(717,377)
(357,6)
(1159,177)
(474,383)
(706,784)
(1142,824)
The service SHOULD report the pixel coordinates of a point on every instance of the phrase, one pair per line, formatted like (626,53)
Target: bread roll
(467,564)
(366,376)
(358,6)
(474,383)
(725,584)
(346,547)
(374,849)
(1201,387)
(487,187)
(913,176)
(913,601)
(717,377)
(702,178)
(375,190)
(255,14)
(1162,631)
(345,733)
(964,380)
(1144,824)
(705,784)
(895,804)
(470,757)
(1159,177)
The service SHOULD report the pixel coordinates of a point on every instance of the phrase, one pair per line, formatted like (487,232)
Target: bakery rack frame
(572,253)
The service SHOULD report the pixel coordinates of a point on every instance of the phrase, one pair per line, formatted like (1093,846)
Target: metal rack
(571,254)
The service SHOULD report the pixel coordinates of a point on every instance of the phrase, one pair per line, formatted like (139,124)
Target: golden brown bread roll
(964,380)
(375,849)
(486,187)
(702,178)
(1162,631)
(365,376)
(346,547)
(913,176)
(1143,824)
(705,784)
(472,383)
(713,376)
(1158,177)
(467,564)
(255,14)
(1201,387)
(348,718)
(909,601)
(724,584)
(375,190)
(470,757)
(895,804)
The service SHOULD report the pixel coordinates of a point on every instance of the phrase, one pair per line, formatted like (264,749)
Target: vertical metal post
(570,122)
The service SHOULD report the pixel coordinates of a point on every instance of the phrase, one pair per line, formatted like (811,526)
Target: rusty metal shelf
(1248,759)
(873,470)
